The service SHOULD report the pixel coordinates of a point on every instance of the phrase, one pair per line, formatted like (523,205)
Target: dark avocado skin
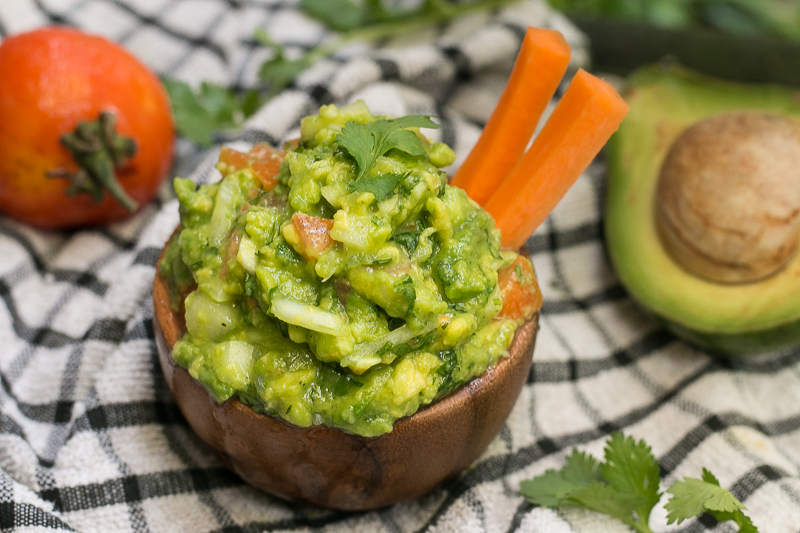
(730,320)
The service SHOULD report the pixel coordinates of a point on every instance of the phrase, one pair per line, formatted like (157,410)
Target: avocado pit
(728,198)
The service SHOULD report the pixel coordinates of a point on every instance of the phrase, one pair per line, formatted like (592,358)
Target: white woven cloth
(91,440)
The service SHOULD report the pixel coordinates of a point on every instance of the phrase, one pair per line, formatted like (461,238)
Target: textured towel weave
(91,440)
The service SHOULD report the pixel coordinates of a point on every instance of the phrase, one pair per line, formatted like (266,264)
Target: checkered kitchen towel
(91,440)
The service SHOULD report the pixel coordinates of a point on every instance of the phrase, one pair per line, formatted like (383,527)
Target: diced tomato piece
(262,159)
(264,151)
(266,170)
(519,290)
(315,233)
(233,158)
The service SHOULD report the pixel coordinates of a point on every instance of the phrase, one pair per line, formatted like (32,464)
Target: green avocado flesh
(728,318)
(399,309)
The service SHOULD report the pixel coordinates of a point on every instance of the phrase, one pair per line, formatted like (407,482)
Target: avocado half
(732,319)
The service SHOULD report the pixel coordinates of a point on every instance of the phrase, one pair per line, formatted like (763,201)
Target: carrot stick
(583,120)
(540,65)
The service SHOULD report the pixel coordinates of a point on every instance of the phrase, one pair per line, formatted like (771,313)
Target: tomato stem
(98,150)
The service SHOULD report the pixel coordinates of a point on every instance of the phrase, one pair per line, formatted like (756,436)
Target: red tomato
(52,79)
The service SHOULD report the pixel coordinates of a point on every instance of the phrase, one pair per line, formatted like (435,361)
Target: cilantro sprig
(626,486)
(691,496)
(200,115)
(365,143)
(203,113)
(382,187)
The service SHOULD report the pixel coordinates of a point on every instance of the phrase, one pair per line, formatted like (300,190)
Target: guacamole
(349,286)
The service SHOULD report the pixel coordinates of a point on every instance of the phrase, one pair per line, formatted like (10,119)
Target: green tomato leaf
(381,186)
(631,468)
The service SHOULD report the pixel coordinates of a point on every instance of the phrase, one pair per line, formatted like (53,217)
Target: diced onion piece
(224,210)
(208,319)
(400,335)
(247,255)
(232,361)
(308,316)
(214,287)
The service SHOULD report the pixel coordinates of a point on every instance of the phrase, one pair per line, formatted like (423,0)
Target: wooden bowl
(329,467)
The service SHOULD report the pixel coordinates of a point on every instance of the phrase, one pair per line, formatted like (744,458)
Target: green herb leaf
(279,71)
(604,498)
(630,467)
(554,487)
(367,142)
(405,288)
(340,15)
(691,497)
(625,486)
(381,186)
(742,520)
(200,114)
(359,142)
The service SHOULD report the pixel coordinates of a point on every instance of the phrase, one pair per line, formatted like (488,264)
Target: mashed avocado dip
(349,286)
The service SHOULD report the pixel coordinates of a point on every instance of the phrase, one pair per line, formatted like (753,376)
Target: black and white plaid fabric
(91,440)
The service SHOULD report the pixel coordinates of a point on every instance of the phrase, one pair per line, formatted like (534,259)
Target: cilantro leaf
(604,498)
(279,71)
(340,15)
(360,143)
(742,520)
(691,497)
(553,488)
(381,186)
(631,467)
(200,114)
(626,486)
(405,288)
(581,483)
(367,142)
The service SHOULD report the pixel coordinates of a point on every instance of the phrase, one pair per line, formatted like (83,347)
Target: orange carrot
(540,65)
(583,120)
